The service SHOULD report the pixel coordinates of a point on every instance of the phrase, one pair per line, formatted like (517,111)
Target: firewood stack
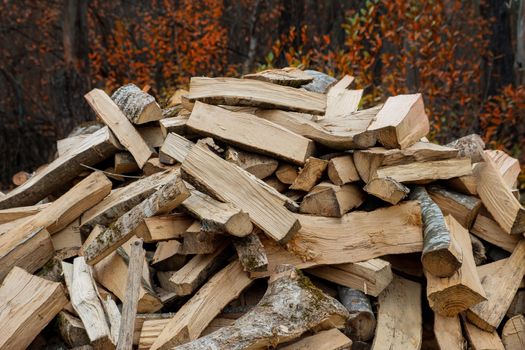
(264,212)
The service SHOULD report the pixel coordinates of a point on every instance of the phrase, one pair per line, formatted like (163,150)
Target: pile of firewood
(263,212)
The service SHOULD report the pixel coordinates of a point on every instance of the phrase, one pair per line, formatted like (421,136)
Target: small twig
(112,174)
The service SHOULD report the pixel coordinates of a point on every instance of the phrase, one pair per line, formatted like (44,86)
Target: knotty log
(256,164)
(95,148)
(447,331)
(341,170)
(327,199)
(513,334)
(508,166)
(251,253)
(361,324)
(289,76)
(310,174)
(331,339)
(462,207)
(269,323)
(441,256)
(387,189)
(138,106)
(470,146)
(480,339)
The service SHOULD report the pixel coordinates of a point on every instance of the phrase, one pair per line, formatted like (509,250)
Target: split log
(68,238)
(152,135)
(125,163)
(370,277)
(144,320)
(508,167)
(466,184)
(331,339)
(470,146)
(321,81)
(92,150)
(176,98)
(189,322)
(166,198)
(65,145)
(500,288)
(310,174)
(249,132)
(205,170)
(340,101)
(165,250)
(251,253)
(276,184)
(175,125)
(395,329)
(454,294)
(216,216)
(341,170)
(165,227)
(138,106)
(29,303)
(287,173)
(401,122)
(113,117)
(387,189)
(513,334)
(361,324)
(154,165)
(498,198)
(447,331)
(480,339)
(72,330)
(487,229)
(269,323)
(247,92)
(12,214)
(442,255)
(176,147)
(289,76)
(462,207)
(256,164)
(327,199)
(196,241)
(478,250)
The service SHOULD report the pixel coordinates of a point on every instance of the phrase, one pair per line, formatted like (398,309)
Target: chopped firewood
(115,119)
(287,173)
(72,330)
(480,339)
(256,164)
(327,199)
(487,229)
(508,166)
(93,149)
(164,227)
(456,293)
(341,170)
(269,323)
(517,306)
(442,255)
(125,163)
(249,132)
(176,98)
(29,303)
(275,183)
(331,339)
(65,145)
(387,189)
(190,277)
(310,174)
(340,101)
(498,198)
(321,83)
(361,324)
(150,331)
(216,216)
(248,92)
(138,106)
(68,237)
(289,76)
(462,207)
(200,242)
(189,321)
(176,147)
(478,250)
(165,250)
(154,165)
(204,169)
(448,332)
(152,135)
(20,178)
(513,334)
(11,214)
(370,277)
(464,184)
(251,253)
(166,198)
(395,329)
(401,122)
(470,146)
(500,288)
(175,125)
(142,319)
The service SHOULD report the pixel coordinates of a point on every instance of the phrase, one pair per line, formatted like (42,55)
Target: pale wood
(189,321)
(249,132)
(327,199)
(498,198)
(20,178)
(401,122)
(166,198)
(154,165)
(361,324)
(341,170)
(466,184)
(250,251)
(480,339)
(462,207)
(470,146)
(399,330)
(371,276)
(176,98)
(142,319)
(94,149)
(151,329)
(174,125)
(287,173)
(508,166)
(340,101)
(310,174)
(454,294)
(176,147)
(206,170)
(424,172)
(321,83)
(269,323)
(513,334)
(288,76)
(152,135)
(256,164)
(68,238)
(137,105)
(387,189)
(72,330)
(130,302)
(29,303)
(487,229)
(441,256)
(125,163)
(448,333)
(165,227)
(247,92)
(11,214)
(165,250)
(500,288)
(492,268)
(200,242)
(331,339)
(113,117)
(64,145)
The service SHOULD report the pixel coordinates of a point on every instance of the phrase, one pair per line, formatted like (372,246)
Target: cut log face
(165,227)
(448,333)
(462,207)
(480,339)
(269,323)
(287,173)
(247,92)
(361,324)
(176,147)
(341,170)
(125,163)
(138,106)
(387,189)
(288,76)
(175,125)
(487,229)
(513,335)
(152,135)
(249,132)
(29,303)
(399,330)
(310,174)
(256,164)
(401,122)
(95,148)
(508,166)
(331,200)
(341,102)
(204,169)
(332,339)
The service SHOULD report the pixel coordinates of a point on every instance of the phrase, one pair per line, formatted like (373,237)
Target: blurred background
(467,57)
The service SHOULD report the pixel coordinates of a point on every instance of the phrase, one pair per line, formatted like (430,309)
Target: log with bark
(138,106)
